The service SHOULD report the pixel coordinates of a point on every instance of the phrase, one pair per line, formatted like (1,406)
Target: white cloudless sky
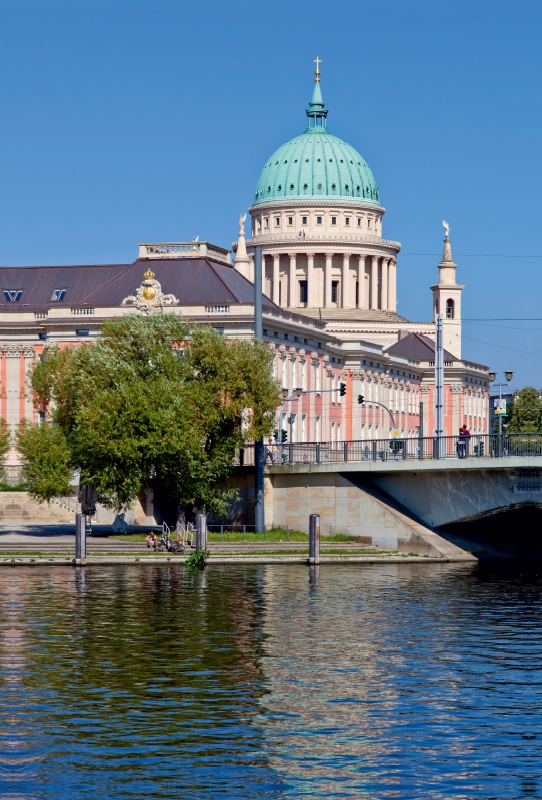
(128,121)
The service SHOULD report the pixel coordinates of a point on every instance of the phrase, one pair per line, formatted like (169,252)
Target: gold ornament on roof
(317,61)
(149,297)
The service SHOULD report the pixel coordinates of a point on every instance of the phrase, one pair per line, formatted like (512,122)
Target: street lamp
(296,393)
(492,377)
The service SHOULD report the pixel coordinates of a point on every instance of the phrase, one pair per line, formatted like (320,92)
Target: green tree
(154,404)
(525,412)
(5,444)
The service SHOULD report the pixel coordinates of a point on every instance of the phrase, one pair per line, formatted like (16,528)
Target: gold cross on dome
(317,61)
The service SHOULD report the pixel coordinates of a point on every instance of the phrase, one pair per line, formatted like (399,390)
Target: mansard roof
(417,347)
(194,281)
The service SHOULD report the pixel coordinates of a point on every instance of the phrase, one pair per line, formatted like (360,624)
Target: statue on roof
(446,228)
(242,219)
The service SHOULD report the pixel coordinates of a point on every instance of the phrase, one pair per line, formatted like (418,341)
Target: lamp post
(492,377)
(296,393)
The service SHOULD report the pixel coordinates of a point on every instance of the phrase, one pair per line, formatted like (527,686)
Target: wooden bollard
(201,531)
(314,539)
(80,540)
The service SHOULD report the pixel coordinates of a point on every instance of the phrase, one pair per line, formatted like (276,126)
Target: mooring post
(314,539)
(80,540)
(201,531)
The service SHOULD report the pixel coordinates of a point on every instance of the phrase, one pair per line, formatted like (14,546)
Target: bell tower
(447,298)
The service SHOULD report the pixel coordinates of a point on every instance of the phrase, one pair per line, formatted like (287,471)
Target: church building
(329,299)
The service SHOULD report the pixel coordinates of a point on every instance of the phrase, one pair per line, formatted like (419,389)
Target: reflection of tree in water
(154,672)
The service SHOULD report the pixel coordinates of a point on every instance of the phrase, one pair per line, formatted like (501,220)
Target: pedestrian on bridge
(463,442)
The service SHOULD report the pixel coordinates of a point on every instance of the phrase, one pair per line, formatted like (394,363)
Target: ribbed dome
(317,165)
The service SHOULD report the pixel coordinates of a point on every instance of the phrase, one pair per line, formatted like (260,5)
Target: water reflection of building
(327,672)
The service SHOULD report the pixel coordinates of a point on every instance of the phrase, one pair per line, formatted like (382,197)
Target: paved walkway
(46,544)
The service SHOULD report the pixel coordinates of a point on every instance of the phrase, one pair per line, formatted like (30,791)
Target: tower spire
(447,298)
(317,112)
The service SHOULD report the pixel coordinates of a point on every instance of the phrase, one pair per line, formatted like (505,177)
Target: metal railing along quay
(426,449)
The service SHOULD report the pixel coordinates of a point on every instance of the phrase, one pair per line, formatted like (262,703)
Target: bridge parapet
(414,452)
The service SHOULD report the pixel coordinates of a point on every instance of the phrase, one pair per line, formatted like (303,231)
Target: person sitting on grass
(151,540)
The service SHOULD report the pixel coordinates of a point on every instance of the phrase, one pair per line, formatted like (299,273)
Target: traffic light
(360,398)
(283,436)
(342,389)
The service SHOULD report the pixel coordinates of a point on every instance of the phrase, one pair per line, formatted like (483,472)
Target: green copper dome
(317,165)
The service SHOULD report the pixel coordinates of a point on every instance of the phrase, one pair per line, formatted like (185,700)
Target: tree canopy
(154,404)
(525,412)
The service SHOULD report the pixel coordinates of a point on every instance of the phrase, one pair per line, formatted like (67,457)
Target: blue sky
(146,121)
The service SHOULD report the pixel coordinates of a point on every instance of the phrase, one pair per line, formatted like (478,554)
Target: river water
(382,681)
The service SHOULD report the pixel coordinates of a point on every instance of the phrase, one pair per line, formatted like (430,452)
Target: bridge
(482,493)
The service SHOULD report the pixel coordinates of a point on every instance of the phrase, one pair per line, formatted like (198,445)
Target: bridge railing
(426,449)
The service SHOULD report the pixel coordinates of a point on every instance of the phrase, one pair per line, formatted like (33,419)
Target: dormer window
(58,294)
(13,295)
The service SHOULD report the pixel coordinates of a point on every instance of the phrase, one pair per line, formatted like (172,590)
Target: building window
(334,291)
(13,295)
(59,294)
(277,222)
(303,220)
(303,291)
(449,309)
(369,224)
(303,428)
(357,294)
(318,220)
(290,220)
(359,223)
(266,222)
(347,221)
(333,220)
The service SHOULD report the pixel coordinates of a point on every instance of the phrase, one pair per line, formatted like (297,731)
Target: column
(327,280)
(361,282)
(4,386)
(292,283)
(392,288)
(22,384)
(345,281)
(312,295)
(276,272)
(374,283)
(384,285)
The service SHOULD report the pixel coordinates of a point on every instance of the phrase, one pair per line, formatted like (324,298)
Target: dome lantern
(316,112)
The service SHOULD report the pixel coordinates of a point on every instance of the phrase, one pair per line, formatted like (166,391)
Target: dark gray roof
(194,281)
(418,347)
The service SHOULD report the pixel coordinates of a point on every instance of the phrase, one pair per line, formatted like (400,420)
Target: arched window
(449,309)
